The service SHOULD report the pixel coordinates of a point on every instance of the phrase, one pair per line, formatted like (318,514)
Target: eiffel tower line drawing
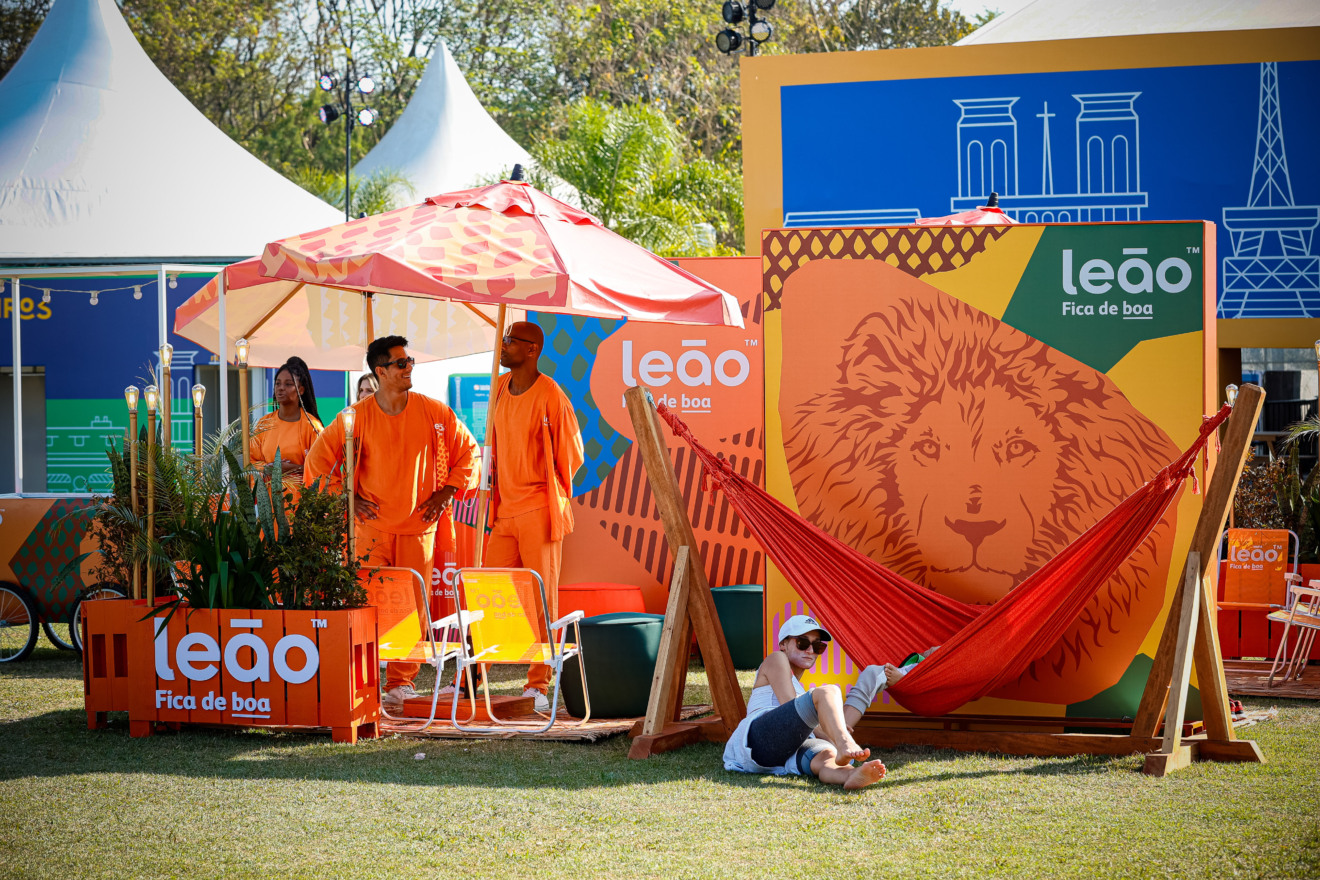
(1273,272)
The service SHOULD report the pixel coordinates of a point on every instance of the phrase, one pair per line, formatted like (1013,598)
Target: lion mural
(963,454)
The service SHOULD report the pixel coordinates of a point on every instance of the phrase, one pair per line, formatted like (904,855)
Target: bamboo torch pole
(153,398)
(241,355)
(131,398)
(349,483)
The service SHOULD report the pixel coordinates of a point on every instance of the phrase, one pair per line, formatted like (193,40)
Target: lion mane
(963,454)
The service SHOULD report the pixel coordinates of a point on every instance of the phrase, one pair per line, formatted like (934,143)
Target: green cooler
(742,618)
(619,650)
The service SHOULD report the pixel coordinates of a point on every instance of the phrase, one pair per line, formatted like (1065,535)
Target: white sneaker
(394,697)
(542,703)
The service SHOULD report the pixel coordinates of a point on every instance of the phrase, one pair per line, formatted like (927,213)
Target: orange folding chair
(404,627)
(1302,616)
(502,616)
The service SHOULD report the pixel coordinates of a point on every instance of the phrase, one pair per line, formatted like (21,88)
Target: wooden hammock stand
(1189,637)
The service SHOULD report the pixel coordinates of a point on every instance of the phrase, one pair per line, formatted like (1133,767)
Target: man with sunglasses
(778,735)
(535,450)
(411,457)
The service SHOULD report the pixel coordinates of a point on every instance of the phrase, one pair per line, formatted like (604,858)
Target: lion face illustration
(964,454)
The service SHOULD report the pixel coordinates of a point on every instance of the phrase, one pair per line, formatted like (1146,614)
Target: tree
(19,21)
(630,169)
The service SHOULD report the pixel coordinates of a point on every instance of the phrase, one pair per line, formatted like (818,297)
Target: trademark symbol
(751,343)
(318,623)
(1194,250)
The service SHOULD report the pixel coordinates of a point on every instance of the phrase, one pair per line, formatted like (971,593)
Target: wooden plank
(682,656)
(724,689)
(1243,750)
(662,682)
(1217,716)
(673,736)
(1164,762)
(1205,542)
(1182,660)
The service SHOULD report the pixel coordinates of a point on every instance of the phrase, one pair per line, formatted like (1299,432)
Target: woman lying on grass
(779,734)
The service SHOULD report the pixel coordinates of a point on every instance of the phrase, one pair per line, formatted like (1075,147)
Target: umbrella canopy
(328,327)
(988,214)
(505,244)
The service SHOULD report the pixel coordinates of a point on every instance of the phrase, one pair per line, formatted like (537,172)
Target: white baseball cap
(801,624)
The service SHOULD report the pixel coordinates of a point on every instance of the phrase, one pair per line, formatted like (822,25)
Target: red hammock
(889,617)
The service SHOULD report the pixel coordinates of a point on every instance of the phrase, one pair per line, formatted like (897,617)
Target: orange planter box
(243,668)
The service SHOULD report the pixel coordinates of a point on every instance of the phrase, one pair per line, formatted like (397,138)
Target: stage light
(366,85)
(733,11)
(766,5)
(366,116)
(728,41)
(326,82)
(328,113)
(761,31)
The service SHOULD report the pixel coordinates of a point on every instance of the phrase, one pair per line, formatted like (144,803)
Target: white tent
(102,159)
(444,140)
(1070,19)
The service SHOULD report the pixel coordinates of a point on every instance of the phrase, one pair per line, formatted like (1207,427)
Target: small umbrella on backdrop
(507,245)
(987,215)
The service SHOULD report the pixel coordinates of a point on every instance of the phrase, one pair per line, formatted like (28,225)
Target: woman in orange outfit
(291,429)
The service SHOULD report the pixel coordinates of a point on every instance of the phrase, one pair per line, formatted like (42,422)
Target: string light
(136,288)
(95,296)
(45,295)
(174,281)
(137,291)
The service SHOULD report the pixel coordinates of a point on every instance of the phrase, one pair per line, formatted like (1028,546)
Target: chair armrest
(571,617)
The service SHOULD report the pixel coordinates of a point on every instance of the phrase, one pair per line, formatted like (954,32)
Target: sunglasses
(401,363)
(512,338)
(816,645)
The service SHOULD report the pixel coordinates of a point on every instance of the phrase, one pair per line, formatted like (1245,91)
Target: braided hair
(297,368)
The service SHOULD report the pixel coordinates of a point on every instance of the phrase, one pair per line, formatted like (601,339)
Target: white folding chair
(1302,616)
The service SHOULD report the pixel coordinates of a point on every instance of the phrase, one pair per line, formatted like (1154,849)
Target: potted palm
(258,617)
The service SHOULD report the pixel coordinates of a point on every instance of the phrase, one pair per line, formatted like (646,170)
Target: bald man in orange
(535,450)
(411,457)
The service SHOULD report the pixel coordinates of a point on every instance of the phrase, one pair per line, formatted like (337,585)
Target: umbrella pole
(483,496)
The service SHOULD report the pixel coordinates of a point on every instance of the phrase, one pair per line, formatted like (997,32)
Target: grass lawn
(204,803)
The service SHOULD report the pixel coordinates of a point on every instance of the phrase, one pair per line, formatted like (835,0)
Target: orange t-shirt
(291,439)
(397,459)
(536,440)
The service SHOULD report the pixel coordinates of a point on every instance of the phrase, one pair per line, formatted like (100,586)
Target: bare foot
(847,749)
(866,774)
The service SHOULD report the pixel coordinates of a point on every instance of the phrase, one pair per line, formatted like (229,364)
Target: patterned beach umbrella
(328,327)
(506,244)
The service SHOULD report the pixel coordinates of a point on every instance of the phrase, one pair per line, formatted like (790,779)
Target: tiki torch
(153,400)
(131,398)
(348,477)
(167,400)
(241,355)
(199,395)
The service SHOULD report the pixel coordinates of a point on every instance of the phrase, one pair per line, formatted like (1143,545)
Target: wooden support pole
(1171,755)
(664,681)
(1205,543)
(726,694)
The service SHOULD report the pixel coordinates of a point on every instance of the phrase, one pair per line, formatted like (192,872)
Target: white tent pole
(16,313)
(223,355)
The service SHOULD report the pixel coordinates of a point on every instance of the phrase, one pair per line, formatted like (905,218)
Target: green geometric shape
(1095,292)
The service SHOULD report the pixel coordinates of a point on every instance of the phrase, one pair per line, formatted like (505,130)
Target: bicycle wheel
(18,623)
(52,631)
(96,592)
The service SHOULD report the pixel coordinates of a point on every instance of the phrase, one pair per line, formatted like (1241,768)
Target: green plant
(219,543)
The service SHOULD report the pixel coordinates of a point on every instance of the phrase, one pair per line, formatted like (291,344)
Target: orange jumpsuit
(290,439)
(536,448)
(399,462)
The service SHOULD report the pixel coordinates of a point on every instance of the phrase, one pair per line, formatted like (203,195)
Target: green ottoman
(619,650)
(741,617)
